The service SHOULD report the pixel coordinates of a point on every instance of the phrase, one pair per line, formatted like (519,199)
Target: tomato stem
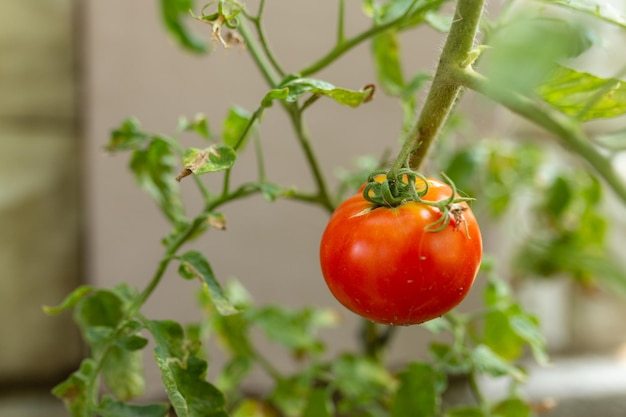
(445,88)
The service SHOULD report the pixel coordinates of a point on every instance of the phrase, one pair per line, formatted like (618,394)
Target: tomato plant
(393,265)
(400,252)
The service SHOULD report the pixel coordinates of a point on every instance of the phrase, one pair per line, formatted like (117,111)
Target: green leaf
(559,195)
(527,327)
(452,361)
(236,127)
(419,393)
(500,337)
(298,87)
(466,412)
(296,330)
(412,12)
(385,48)
(70,300)
(193,264)
(600,9)
(199,124)
(154,169)
(123,372)
(529,47)
(74,390)
(512,407)
(583,95)
(439,22)
(128,136)
(487,361)
(173,13)
(212,159)
(318,404)
(112,408)
(183,373)
(251,407)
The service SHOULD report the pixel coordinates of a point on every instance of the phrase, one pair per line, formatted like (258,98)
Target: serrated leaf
(300,86)
(419,393)
(487,361)
(173,13)
(583,95)
(184,374)
(112,408)
(385,48)
(213,159)
(193,264)
(69,301)
(236,127)
(154,169)
(128,136)
(74,390)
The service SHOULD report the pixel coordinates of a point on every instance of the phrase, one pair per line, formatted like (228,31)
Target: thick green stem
(445,88)
(568,130)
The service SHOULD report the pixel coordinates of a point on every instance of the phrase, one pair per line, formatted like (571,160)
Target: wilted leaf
(193,264)
(74,390)
(128,136)
(201,161)
(300,86)
(154,170)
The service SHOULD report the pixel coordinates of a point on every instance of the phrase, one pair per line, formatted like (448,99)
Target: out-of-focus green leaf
(198,124)
(300,86)
(511,407)
(487,361)
(385,48)
(318,404)
(410,12)
(454,362)
(528,48)
(74,390)
(174,13)
(212,159)
(183,373)
(112,408)
(154,169)
(465,412)
(128,136)
(193,264)
(559,196)
(251,407)
(70,300)
(500,337)
(600,9)
(583,95)
(296,330)
(236,129)
(361,382)
(419,392)
(123,372)
(439,22)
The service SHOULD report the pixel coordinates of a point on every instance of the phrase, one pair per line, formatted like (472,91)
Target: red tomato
(383,264)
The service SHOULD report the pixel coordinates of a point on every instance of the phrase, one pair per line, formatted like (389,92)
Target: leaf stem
(258,24)
(568,130)
(262,62)
(295,115)
(341,22)
(444,89)
(348,44)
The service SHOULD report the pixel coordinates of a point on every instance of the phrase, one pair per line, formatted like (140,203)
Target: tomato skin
(383,265)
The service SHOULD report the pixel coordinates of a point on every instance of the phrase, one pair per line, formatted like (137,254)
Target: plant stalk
(445,88)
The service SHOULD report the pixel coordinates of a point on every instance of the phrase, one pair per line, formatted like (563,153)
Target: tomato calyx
(411,186)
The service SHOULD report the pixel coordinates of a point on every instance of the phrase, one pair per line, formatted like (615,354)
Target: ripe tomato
(384,264)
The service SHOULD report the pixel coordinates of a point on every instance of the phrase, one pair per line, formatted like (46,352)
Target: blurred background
(71,71)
